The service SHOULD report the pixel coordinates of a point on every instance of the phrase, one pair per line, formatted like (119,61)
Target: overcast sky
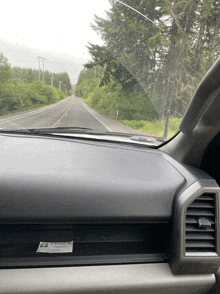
(57,26)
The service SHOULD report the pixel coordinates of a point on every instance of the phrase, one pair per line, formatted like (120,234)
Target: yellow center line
(59,121)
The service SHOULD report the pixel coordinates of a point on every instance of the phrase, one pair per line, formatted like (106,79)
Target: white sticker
(55,247)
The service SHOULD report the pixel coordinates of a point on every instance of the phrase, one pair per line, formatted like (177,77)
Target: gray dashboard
(47,179)
(118,203)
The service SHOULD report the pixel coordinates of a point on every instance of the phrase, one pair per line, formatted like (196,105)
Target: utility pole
(39,66)
(51,81)
(43,68)
(60,84)
(38,57)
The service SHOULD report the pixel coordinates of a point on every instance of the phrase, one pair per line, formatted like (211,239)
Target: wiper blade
(82,130)
(147,138)
(51,130)
(20,130)
(63,130)
(136,137)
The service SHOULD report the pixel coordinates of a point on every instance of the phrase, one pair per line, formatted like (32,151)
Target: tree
(134,43)
(167,55)
(30,76)
(5,69)
(113,67)
(163,58)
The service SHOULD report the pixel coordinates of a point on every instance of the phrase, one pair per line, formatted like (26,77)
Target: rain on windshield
(113,66)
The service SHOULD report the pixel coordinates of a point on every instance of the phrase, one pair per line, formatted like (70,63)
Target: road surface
(69,112)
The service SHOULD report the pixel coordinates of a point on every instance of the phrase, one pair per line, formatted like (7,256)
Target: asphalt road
(69,112)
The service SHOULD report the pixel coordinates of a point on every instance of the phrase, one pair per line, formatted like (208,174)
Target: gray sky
(50,25)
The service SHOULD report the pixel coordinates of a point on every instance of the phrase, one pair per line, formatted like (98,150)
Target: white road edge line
(96,117)
(20,116)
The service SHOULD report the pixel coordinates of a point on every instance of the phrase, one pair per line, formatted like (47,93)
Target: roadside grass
(16,96)
(155,128)
(152,128)
(5,112)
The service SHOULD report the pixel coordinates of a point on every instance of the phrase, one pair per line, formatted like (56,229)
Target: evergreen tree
(167,54)
(5,69)
(30,76)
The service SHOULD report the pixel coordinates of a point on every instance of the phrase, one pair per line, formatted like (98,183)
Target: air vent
(200,233)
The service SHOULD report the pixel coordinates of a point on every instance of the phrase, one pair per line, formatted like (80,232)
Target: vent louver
(200,233)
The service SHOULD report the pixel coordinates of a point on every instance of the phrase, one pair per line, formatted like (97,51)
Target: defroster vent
(200,230)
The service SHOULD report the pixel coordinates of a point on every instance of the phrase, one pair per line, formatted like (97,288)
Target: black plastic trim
(195,263)
(81,260)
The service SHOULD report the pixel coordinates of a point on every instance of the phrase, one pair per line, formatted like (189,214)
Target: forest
(153,58)
(28,75)
(20,88)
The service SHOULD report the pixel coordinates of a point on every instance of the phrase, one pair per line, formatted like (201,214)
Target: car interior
(142,219)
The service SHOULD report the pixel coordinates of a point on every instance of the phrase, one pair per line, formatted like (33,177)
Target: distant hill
(22,56)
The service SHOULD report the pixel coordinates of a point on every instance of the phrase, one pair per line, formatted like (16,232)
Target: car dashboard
(138,219)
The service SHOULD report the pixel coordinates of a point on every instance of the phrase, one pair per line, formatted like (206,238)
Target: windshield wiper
(134,137)
(51,130)
(64,130)
(81,130)
(150,139)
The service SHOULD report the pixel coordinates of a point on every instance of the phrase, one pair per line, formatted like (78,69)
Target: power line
(137,12)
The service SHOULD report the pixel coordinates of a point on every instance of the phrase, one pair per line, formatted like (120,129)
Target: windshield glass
(128,66)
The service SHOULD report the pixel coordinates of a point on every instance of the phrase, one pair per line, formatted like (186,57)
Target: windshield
(125,67)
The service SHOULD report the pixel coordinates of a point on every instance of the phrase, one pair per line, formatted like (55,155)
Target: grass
(155,128)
